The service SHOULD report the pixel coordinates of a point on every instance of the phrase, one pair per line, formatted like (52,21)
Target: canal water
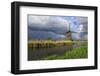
(40,53)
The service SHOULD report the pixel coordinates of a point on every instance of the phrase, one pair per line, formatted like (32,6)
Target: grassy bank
(75,53)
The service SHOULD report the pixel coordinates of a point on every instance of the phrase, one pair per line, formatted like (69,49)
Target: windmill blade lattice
(69,33)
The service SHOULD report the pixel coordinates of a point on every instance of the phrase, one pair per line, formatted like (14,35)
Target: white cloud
(32,19)
(45,21)
(81,28)
(83,20)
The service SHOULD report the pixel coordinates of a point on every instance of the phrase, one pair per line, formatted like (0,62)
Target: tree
(49,38)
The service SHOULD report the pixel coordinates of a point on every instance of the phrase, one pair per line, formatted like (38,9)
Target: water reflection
(39,53)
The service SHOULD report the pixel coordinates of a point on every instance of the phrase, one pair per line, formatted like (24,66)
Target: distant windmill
(69,33)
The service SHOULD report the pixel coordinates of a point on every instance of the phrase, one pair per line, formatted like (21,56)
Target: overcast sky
(55,27)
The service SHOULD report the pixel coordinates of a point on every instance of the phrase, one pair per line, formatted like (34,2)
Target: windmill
(69,33)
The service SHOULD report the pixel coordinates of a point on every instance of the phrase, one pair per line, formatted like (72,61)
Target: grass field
(75,53)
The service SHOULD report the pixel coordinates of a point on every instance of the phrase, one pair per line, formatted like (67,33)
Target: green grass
(75,53)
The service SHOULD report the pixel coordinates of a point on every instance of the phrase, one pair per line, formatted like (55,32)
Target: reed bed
(48,43)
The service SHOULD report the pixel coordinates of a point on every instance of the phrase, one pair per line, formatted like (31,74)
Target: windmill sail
(69,33)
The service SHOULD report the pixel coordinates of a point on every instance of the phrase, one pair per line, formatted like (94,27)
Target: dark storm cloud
(48,23)
(44,34)
(56,26)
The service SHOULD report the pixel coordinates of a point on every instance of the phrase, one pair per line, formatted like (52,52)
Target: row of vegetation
(49,43)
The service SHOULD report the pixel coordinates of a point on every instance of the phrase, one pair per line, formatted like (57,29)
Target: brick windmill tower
(69,33)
